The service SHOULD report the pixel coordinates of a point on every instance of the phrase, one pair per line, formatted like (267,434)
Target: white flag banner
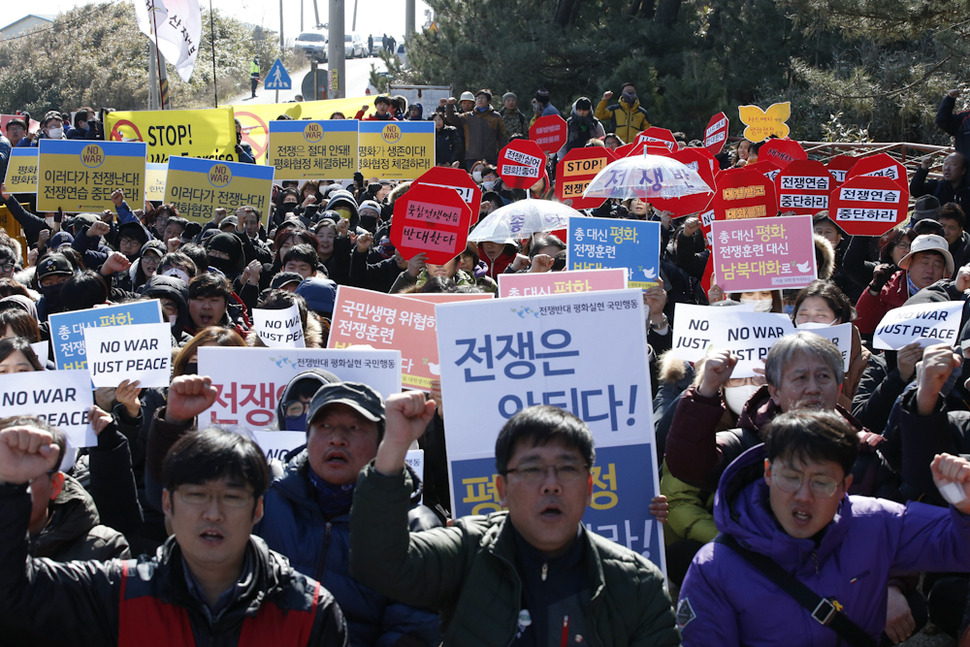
(179,27)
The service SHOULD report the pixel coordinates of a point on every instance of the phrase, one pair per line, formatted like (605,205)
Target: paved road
(358,76)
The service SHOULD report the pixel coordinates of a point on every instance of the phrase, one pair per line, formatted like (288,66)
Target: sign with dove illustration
(600,243)
(760,124)
(764,253)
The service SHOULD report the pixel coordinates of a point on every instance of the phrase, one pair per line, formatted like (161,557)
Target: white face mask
(760,305)
(736,396)
(488,184)
(809,325)
(55,133)
(477,176)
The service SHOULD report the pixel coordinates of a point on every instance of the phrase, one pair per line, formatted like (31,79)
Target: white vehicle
(313,44)
(354,47)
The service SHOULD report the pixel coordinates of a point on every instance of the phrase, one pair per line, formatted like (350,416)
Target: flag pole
(212,38)
(158,58)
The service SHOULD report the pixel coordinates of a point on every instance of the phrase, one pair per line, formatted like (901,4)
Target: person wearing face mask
(483,129)
(447,142)
(225,254)
(764,301)
(581,126)
(243,150)
(627,118)
(53,270)
(52,127)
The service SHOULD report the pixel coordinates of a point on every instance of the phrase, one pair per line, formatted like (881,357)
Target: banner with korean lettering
(67,328)
(250,381)
(255,118)
(155,175)
(576,170)
(60,398)
(599,243)
(748,335)
(209,133)
(197,186)
(80,175)
(304,150)
(499,357)
(22,170)
(396,150)
(764,253)
(803,187)
(868,205)
(389,321)
(533,284)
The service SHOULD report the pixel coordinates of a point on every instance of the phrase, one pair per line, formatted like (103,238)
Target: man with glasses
(785,505)
(306,516)
(534,575)
(211,583)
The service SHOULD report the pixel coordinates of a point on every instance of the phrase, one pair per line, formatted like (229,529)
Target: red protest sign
(781,152)
(803,187)
(639,148)
(574,172)
(766,167)
(699,160)
(716,133)
(453,178)
(549,133)
(881,165)
(521,163)
(433,220)
(655,135)
(839,167)
(743,193)
(868,205)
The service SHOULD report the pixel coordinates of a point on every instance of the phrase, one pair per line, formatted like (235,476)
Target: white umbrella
(646,177)
(522,219)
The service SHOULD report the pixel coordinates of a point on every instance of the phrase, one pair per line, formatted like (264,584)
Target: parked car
(313,44)
(354,47)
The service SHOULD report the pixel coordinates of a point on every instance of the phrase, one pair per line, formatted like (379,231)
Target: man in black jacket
(212,583)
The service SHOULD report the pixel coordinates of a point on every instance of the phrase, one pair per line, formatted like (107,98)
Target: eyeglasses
(295,408)
(198,498)
(537,473)
(7,267)
(820,486)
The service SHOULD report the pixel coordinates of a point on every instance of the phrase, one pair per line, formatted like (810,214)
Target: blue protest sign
(598,243)
(67,328)
(277,78)
(500,356)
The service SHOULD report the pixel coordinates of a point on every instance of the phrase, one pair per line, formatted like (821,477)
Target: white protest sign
(279,328)
(140,352)
(840,335)
(927,323)
(60,398)
(748,335)
(501,356)
(42,351)
(250,381)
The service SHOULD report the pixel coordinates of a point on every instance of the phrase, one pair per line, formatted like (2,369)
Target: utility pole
(282,42)
(316,14)
(336,84)
(408,19)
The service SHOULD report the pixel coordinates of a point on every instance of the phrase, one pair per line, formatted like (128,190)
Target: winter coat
(955,124)
(484,132)
(147,601)
(851,563)
(870,309)
(74,530)
(940,189)
(625,120)
(516,123)
(319,547)
(470,572)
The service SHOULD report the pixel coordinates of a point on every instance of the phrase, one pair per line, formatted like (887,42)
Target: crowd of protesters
(839,478)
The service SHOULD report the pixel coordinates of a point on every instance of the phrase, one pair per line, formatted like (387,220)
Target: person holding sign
(815,562)
(531,575)
(928,261)
(210,568)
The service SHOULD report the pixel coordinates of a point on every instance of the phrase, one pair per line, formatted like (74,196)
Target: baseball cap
(285,278)
(359,397)
(56,264)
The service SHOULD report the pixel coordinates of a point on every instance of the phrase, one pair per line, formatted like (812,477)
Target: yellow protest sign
(155,182)
(761,124)
(308,150)
(80,175)
(209,134)
(197,186)
(22,170)
(255,119)
(396,150)
(10,225)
